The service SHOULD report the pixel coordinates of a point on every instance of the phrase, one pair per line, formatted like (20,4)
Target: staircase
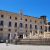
(33,41)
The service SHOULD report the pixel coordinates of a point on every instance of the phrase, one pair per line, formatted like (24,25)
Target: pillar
(38,31)
(30,35)
(16,37)
(47,28)
(10,36)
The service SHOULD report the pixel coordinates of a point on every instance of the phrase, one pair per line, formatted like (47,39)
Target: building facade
(22,26)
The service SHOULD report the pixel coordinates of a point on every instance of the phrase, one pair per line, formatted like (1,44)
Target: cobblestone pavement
(3,46)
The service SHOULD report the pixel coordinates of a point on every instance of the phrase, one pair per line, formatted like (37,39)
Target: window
(1,23)
(46,29)
(30,26)
(41,27)
(9,24)
(1,29)
(25,19)
(15,24)
(49,28)
(10,17)
(25,25)
(9,30)
(35,26)
(21,25)
(2,16)
(15,18)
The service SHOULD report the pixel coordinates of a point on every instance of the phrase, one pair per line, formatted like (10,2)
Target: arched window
(9,30)
(15,24)
(25,25)
(25,19)
(10,17)
(21,25)
(30,26)
(35,26)
(9,24)
(2,16)
(15,18)
(1,23)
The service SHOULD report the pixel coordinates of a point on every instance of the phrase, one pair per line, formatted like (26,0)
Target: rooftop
(17,13)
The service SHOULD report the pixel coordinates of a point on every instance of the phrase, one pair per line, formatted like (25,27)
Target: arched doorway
(20,35)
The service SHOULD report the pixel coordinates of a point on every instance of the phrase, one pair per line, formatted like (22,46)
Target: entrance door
(20,36)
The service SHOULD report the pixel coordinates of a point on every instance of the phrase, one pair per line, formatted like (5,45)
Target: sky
(34,8)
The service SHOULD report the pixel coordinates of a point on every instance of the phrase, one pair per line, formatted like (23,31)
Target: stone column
(10,37)
(47,28)
(38,31)
(30,35)
(16,37)
(44,35)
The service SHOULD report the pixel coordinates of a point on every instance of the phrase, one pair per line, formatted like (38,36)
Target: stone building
(22,26)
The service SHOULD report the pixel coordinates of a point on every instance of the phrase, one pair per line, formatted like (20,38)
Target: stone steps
(34,42)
